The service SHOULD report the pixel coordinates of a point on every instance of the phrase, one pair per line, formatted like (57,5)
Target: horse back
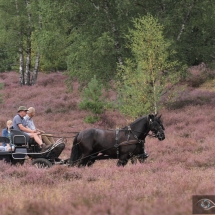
(97,137)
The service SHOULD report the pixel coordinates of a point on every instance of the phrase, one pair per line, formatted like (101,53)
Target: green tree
(92,100)
(190,25)
(87,37)
(18,21)
(145,75)
(51,38)
(32,35)
(97,29)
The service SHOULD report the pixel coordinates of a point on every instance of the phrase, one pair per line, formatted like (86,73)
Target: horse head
(156,126)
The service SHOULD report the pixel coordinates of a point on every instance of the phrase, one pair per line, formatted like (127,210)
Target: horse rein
(154,133)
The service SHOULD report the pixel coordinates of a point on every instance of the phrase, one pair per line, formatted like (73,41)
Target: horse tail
(76,152)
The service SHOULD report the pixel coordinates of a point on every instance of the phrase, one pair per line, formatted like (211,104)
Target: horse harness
(117,144)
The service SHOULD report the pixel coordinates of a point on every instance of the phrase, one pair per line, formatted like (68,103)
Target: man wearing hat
(19,124)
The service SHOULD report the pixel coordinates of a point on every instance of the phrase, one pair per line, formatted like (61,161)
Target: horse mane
(137,120)
(156,118)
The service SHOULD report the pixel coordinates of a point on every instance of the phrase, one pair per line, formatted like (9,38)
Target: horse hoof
(90,163)
(122,162)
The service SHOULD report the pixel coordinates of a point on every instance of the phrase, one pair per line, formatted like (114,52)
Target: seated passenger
(6,133)
(19,124)
(47,138)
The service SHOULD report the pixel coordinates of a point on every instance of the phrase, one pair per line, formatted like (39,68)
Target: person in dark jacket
(6,133)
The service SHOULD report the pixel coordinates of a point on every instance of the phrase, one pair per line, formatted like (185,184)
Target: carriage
(27,148)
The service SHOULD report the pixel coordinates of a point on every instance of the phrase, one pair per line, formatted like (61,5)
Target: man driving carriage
(20,124)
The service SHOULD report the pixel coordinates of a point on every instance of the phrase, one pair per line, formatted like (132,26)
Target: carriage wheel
(41,163)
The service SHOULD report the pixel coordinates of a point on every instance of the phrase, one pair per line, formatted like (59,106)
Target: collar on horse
(117,144)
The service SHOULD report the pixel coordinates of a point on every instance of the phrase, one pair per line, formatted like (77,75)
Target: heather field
(180,166)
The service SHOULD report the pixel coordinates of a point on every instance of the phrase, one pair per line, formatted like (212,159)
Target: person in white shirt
(47,138)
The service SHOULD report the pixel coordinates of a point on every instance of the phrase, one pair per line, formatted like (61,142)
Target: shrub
(92,100)
(91,119)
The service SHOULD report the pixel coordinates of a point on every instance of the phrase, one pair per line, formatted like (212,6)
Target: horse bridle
(145,133)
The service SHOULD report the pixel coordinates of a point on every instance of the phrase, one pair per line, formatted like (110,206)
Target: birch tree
(145,75)
(97,38)
(34,23)
(20,44)
(86,38)
(20,19)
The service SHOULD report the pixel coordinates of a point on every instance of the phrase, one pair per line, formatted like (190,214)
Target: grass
(180,166)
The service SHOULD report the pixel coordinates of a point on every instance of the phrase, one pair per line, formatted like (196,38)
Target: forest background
(144,47)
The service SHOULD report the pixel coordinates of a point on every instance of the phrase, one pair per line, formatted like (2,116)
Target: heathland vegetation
(180,166)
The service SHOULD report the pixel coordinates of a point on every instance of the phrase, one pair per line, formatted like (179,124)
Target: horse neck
(140,127)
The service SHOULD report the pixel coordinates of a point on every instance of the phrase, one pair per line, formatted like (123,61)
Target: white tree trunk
(28,51)
(37,60)
(155,98)
(185,21)
(27,68)
(36,68)
(21,68)
(21,57)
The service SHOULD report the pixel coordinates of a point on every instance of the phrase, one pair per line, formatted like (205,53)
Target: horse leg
(134,159)
(142,154)
(87,159)
(123,160)
(92,160)
(83,161)
(142,157)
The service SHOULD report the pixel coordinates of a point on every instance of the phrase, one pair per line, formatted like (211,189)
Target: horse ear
(159,117)
(151,116)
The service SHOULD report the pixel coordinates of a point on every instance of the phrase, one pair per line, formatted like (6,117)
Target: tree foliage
(92,100)
(87,37)
(146,75)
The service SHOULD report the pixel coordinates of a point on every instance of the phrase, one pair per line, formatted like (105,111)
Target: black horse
(122,144)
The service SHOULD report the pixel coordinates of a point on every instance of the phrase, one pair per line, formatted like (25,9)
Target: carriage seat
(4,139)
(19,138)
